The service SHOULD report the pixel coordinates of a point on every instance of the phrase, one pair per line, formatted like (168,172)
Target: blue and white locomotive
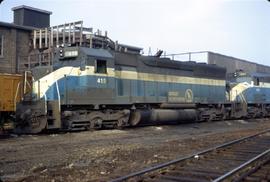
(88,88)
(253,90)
(94,88)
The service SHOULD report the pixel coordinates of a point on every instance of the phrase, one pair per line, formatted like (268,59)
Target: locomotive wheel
(122,122)
(33,125)
(38,124)
(119,124)
(96,123)
(95,119)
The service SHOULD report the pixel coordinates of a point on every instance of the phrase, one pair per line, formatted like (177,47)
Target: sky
(238,28)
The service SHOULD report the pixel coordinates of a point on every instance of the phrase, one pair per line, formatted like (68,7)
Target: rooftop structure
(29,16)
(75,33)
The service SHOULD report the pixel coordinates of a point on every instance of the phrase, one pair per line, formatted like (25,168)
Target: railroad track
(244,159)
(258,173)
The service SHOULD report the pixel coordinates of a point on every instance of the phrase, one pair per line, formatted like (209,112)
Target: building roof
(31,8)
(96,52)
(12,25)
(260,74)
(238,59)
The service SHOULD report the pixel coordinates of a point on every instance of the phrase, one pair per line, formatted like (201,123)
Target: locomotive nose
(26,114)
(31,116)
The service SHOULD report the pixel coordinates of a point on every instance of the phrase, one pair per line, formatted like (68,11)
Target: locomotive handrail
(26,81)
(58,95)
(16,95)
(45,97)
(184,53)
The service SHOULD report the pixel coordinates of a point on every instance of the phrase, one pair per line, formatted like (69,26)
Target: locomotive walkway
(244,159)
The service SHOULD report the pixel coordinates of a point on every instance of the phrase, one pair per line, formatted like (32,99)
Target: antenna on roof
(159,53)
(149,52)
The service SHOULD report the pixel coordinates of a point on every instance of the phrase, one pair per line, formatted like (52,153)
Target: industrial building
(233,64)
(15,38)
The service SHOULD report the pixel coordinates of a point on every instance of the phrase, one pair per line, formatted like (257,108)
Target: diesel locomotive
(89,88)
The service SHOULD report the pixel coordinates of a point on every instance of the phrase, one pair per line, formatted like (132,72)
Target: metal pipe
(69,34)
(57,35)
(81,33)
(51,42)
(177,106)
(34,39)
(73,38)
(40,38)
(46,37)
(63,34)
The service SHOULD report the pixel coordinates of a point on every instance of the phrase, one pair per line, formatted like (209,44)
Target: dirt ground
(106,154)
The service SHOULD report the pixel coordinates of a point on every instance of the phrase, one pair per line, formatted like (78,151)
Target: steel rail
(162,165)
(242,166)
(252,171)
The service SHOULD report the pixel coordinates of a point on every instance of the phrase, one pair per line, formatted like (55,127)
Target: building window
(101,66)
(1,45)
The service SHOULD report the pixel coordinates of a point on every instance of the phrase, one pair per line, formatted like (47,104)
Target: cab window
(256,81)
(101,66)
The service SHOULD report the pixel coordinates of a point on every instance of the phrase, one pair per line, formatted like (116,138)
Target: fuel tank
(155,116)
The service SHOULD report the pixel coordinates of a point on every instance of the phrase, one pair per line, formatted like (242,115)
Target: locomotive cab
(251,88)
(77,77)
(91,76)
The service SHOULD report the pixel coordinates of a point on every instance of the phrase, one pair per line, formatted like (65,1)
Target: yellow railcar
(11,91)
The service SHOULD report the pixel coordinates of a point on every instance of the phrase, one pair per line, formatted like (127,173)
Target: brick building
(14,46)
(15,38)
